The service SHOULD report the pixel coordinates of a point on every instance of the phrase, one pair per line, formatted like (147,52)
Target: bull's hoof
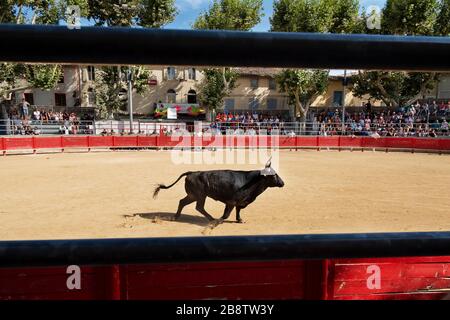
(239,220)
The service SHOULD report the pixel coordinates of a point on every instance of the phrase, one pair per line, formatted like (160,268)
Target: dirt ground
(109,195)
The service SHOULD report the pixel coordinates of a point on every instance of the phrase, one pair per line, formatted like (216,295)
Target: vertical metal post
(343,102)
(130,97)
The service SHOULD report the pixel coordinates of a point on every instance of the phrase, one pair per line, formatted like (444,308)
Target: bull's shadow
(169,216)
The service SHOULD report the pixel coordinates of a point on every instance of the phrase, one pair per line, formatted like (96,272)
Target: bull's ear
(269,162)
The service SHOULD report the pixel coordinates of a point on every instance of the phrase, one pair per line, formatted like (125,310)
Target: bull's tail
(162,186)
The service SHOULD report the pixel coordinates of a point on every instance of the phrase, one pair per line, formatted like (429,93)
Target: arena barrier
(62,143)
(328,266)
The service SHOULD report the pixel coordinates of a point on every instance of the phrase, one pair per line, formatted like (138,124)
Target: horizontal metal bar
(101,45)
(226,248)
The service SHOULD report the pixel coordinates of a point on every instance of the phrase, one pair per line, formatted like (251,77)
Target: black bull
(233,188)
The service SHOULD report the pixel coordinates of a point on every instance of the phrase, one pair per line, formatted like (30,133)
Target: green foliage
(336,16)
(216,85)
(145,13)
(225,15)
(409,17)
(43,76)
(111,86)
(230,15)
(393,88)
(302,87)
(442,26)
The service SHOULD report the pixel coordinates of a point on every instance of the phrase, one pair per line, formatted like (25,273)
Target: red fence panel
(75,142)
(426,143)
(226,280)
(51,283)
(25,143)
(444,144)
(287,141)
(47,142)
(350,142)
(369,142)
(328,141)
(144,141)
(399,143)
(2,147)
(307,141)
(125,141)
(392,278)
(100,141)
(174,141)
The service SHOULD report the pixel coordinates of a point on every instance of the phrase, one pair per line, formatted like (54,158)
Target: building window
(272,84)
(91,73)
(338,97)
(253,103)
(171,73)
(271,103)
(192,74)
(60,99)
(29,98)
(192,96)
(229,105)
(254,83)
(91,97)
(171,96)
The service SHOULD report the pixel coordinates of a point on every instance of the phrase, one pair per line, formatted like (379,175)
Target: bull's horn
(269,162)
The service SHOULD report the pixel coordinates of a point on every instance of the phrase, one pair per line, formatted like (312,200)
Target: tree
(393,88)
(404,17)
(111,82)
(442,26)
(225,15)
(17,77)
(336,16)
(216,86)
(110,88)
(302,88)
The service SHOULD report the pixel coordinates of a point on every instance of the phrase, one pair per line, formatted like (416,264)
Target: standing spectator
(24,105)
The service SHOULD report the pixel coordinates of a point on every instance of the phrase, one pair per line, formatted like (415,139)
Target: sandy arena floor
(109,195)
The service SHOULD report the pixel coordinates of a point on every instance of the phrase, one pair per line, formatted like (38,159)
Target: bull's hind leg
(201,208)
(183,202)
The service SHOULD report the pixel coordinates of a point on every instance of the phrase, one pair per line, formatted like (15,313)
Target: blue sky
(188,11)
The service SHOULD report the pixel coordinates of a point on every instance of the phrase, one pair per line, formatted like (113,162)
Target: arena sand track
(109,194)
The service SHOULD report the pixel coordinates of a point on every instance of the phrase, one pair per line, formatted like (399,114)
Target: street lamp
(130,97)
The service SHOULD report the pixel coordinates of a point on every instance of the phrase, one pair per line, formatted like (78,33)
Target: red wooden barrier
(350,142)
(410,278)
(47,143)
(174,141)
(22,143)
(125,141)
(74,141)
(32,143)
(332,142)
(377,143)
(100,141)
(340,279)
(144,141)
(307,141)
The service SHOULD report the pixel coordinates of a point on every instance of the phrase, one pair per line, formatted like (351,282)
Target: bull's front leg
(238,215)
(227,211)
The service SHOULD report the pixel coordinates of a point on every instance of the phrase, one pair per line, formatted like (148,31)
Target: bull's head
(270,175)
